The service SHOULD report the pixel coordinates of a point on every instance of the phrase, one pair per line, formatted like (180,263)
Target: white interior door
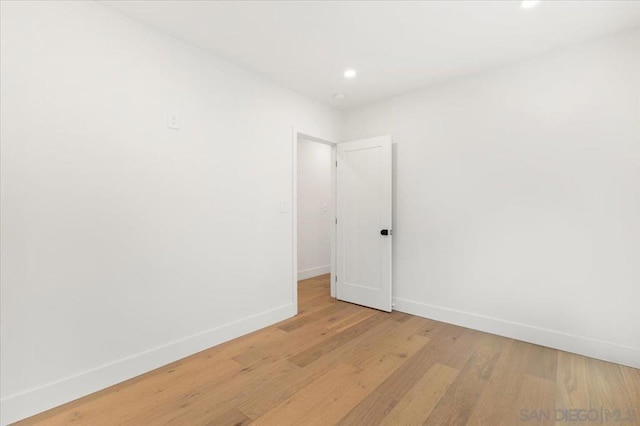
(364,222)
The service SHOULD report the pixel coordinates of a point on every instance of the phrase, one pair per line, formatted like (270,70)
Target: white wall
(314,206)
(125,244)
(517,204)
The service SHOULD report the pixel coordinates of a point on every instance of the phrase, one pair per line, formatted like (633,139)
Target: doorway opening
(314,230)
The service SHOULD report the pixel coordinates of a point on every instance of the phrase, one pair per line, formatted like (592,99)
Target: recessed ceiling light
(338,96)
(350,73)
(528,4)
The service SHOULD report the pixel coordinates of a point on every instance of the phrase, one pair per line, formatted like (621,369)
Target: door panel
(363,210)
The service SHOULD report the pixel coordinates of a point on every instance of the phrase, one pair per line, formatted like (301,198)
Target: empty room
(319,212)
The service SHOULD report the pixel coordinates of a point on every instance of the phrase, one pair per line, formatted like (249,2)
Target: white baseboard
(313,272)
(593,348)
(25,404)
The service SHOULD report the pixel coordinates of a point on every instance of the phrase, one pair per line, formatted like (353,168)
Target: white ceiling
(395,46)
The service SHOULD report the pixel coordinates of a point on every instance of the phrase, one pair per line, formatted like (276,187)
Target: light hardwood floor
(338,363)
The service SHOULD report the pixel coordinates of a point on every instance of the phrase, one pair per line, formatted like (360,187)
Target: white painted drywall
(126,244)
(518,198)
(314,207)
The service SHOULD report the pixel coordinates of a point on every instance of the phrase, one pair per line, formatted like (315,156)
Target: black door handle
(384,232)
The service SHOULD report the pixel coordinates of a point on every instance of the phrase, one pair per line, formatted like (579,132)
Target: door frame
(294,208)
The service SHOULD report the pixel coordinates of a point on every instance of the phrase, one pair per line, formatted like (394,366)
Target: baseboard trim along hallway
(313,272)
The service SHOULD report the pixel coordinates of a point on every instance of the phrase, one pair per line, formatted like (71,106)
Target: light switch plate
(172,121)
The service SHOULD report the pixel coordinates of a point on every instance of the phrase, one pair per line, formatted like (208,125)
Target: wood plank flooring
(338,363)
